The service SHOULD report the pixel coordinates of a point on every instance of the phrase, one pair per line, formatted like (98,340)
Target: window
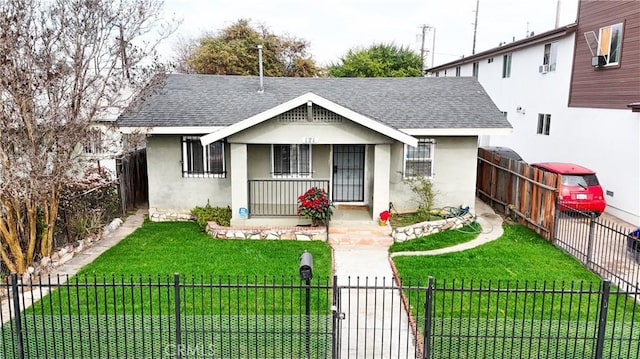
(202,161)
(437,73)
(609,44)
(418,161)
(504,113)
(476,69)
(550,56)
(506,66)
(457,71)
(93,146)
(292,161)
(490,60)
(544,124)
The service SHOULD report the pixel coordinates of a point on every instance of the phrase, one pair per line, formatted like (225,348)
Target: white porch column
(382,166)
(239,182)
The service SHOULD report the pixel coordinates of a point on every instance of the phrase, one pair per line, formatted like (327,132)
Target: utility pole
(423,51)
(424,33)
(475,28)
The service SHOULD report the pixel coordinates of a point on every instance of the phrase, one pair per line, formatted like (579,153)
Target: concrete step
(360,234)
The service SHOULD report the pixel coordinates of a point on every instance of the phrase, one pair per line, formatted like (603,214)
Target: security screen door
(348,173)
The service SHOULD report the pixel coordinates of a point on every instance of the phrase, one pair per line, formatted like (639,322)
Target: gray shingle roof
(418,102)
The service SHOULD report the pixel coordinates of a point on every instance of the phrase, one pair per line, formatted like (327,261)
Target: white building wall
(604,140)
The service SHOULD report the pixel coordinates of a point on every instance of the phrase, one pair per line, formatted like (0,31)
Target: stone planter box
(299,233)
(402,234)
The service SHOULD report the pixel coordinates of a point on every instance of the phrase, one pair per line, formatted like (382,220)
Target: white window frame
(207,151)
(428,141)
(550,56)
(608,36)
(543,127)
(298,173)
(506,65)
(94,145)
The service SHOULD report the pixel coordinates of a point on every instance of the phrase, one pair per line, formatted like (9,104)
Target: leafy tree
(378,60)
(63,64)
(233,51)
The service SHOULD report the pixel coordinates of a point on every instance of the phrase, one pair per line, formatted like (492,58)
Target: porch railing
(279,197)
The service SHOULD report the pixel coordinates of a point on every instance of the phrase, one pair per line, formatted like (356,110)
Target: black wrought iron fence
(222,317)
(604,247)
(279,197)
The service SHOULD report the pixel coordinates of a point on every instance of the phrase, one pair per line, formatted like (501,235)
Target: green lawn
(480,305)
(520,254)
(168,247)
(439,240)
(241,298)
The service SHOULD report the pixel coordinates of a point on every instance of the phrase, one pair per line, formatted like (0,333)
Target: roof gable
(309,98)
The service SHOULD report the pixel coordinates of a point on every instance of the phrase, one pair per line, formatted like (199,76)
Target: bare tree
(63,64)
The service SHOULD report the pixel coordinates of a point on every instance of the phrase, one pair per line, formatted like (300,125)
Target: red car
(580,189)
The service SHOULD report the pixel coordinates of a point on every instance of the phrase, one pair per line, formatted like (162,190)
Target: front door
(348,173)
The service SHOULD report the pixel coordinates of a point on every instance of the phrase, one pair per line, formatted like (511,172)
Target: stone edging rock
(402,234)
(267,233)
(64,254)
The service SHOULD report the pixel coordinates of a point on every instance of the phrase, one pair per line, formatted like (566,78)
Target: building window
(457,71)
(609,44)
(504,113)
(202,161)
(476,69)
(94,144)
(506,66)
(437,73)
(550,56)
(490,60)
(544,124)
(418,161)
(291,161)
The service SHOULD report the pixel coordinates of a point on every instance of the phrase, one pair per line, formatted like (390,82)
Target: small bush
(220,215)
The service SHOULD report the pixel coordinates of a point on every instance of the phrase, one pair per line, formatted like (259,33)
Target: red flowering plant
(384,216)
(314,204)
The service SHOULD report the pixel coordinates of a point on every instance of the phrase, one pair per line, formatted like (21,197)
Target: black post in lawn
(306,274)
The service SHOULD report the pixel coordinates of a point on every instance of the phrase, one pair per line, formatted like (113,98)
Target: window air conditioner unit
(598,61)
(543,69)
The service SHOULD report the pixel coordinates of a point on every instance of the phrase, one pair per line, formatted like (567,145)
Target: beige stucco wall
(169,191)
(454,167)
(273,131)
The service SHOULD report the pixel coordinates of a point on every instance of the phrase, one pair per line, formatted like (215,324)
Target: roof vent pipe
(261,89)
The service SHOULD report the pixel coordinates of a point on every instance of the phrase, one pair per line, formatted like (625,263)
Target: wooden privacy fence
(132,175)
(518,190)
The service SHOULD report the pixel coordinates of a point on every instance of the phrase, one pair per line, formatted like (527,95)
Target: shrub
(86,205)
(423,188)
(220,215)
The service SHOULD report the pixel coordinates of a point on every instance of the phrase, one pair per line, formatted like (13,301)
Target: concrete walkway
(375,320)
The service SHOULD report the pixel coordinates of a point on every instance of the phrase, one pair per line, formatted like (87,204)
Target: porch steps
(365,234)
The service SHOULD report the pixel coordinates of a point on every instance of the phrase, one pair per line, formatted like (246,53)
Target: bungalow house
(229,141)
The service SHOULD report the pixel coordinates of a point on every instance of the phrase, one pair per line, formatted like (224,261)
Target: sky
(332,27)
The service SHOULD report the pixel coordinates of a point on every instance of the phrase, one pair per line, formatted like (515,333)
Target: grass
(235,296)
(480,305)
(439,240)
(520,254)
(168,247)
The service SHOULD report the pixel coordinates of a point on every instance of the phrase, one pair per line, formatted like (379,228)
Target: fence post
(602,320)
(428,305)
(176,295)
(335,317)
(17,315)
(590,243)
